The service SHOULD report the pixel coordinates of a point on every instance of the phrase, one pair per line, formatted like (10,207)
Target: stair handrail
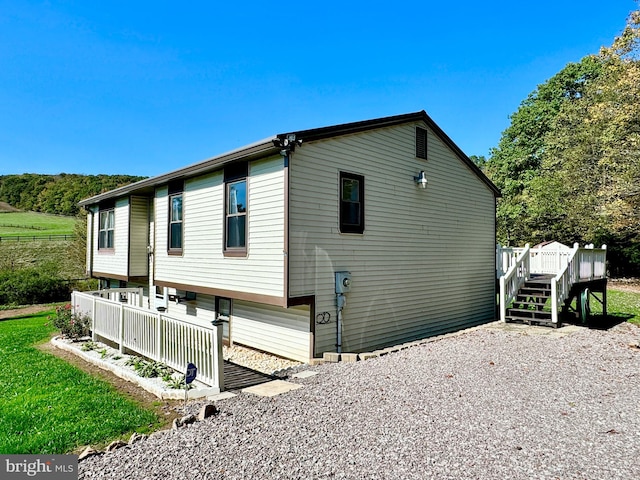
(511,281)
(561,283)
(505,258)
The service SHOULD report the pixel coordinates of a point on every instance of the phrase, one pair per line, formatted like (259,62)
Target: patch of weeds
(117,357)
(88,346)
(104,354)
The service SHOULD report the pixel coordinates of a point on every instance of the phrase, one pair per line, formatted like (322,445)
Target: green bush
(70,324)
(31,286)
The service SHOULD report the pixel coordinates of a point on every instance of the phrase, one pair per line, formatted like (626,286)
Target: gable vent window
(421,143)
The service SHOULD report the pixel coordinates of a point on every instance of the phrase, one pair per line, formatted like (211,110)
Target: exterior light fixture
(287,143)
(421,179)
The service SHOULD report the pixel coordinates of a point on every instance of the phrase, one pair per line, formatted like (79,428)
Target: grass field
(624,305)
(14,224)
(19,250)
(50,406)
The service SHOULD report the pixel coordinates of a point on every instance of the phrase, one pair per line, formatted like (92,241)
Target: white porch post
(554,300)
(159,338)
(93,318)
(121,327)
(140,296)
(218,360)
(503,294)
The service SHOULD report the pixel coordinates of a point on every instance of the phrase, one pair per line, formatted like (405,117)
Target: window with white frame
(236,209)
(106,229)
(175,240)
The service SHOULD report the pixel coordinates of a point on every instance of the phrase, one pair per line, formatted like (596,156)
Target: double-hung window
(175,218)
(236,208)
(106,229)
(351,203)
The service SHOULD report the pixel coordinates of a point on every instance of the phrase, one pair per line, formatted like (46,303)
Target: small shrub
(135,362)
(154,369)
(177,383)
(71,325)
(147,369)
(88,346)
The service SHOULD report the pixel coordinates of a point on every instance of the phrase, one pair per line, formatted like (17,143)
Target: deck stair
(538,285)
(530,302)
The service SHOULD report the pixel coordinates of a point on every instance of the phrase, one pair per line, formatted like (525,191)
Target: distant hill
(57,194)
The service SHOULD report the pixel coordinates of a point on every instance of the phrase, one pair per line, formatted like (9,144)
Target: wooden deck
(538,285)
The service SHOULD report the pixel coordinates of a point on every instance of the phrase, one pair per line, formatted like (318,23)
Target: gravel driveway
(487,404)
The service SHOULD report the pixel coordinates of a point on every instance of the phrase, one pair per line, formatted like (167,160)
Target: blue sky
(145,87)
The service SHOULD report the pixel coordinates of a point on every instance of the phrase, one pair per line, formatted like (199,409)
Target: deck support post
(554,301)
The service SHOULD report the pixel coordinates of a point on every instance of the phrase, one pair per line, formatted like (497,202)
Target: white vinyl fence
(172,341)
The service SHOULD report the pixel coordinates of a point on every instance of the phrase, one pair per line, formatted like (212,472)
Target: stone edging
(150,386)
(206,411)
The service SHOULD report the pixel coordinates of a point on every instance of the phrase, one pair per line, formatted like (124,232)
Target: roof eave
(255,150)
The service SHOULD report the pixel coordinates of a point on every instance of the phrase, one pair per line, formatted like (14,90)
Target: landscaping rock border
(207,410)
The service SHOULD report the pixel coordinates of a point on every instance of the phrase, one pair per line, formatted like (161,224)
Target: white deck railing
(157,336)
(505,258)
(513,279)
(569,266)
(583,265)
(130,296)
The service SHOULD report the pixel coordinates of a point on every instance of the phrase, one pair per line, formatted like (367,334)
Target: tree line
(568,165)
(56,194)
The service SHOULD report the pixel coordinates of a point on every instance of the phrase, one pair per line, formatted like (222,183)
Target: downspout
(89,269)
(150,252)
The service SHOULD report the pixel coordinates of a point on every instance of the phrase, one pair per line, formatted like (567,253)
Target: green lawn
(624,305)
(50,406)
(14,224)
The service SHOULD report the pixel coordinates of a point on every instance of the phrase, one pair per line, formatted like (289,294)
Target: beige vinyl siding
(282,331)
(115,261)
(425,263)
(202,262)
(202,308)
(138,237)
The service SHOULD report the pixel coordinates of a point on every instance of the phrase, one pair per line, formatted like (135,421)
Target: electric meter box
(343,282)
